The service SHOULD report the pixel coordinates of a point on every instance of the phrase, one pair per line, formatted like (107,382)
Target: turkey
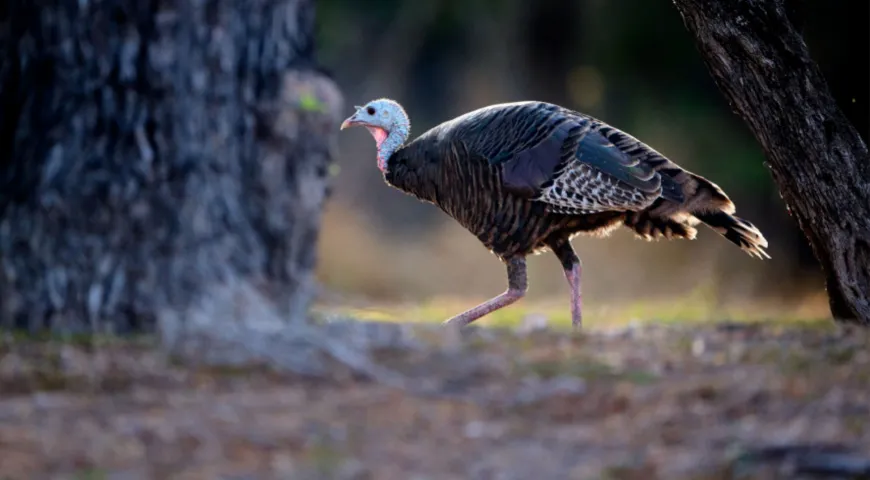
(526,177)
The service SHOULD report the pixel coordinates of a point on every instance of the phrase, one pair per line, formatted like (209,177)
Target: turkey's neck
(412,172)
(388,142)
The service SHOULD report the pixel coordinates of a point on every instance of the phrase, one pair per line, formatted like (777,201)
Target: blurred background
(630,63)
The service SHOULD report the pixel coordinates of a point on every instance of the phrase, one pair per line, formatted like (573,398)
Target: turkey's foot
(517,286)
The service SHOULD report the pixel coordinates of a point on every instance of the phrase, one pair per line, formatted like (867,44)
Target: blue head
(388,123)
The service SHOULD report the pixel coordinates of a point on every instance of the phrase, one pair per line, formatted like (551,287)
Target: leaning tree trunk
(158,156)
(761,63)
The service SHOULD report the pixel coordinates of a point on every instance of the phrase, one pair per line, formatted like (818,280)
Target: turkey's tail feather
(649,226)
(695,200)
(738,231)
(709,204)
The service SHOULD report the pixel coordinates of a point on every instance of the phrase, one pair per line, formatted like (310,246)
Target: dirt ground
(671,402)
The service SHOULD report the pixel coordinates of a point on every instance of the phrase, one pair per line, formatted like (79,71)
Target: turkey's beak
(351,120)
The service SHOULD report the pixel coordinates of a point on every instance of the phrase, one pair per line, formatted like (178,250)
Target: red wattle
(380,135)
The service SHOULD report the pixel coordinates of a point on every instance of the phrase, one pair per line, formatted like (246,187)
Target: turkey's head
(388,123)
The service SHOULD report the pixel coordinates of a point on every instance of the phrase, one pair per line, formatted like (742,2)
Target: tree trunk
(157,156)
(760,62)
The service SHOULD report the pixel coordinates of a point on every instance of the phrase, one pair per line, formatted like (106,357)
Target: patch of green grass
(693,309)
(841,354)
(49,361)
(324,457)
(45,380)
(587,369)
(90,474)
(228,370)
(75,339)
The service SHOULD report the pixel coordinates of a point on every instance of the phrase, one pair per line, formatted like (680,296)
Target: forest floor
(694,401)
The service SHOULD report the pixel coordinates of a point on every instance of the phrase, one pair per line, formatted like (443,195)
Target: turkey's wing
(576,169)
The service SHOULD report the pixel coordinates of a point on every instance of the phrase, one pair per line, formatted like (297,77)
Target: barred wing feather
(572,162)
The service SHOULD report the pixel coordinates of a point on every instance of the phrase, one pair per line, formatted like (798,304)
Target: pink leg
(573,269)
(517,286)
(573,276)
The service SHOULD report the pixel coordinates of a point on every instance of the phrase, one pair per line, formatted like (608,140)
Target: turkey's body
(471,191)
(527,176)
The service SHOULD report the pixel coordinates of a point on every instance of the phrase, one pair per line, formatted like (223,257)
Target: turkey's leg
(517,286)
(573,269)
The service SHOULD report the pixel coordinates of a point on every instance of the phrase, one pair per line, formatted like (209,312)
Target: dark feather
(738,231)
(599,152)
(526,171)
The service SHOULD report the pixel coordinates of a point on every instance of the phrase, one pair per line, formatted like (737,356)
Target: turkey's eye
(370,110)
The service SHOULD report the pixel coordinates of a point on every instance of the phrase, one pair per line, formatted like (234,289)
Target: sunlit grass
(691,309)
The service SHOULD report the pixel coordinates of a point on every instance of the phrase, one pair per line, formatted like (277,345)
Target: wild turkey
(528,176)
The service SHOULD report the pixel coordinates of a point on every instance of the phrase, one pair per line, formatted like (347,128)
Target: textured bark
(156,153)
(762,65)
